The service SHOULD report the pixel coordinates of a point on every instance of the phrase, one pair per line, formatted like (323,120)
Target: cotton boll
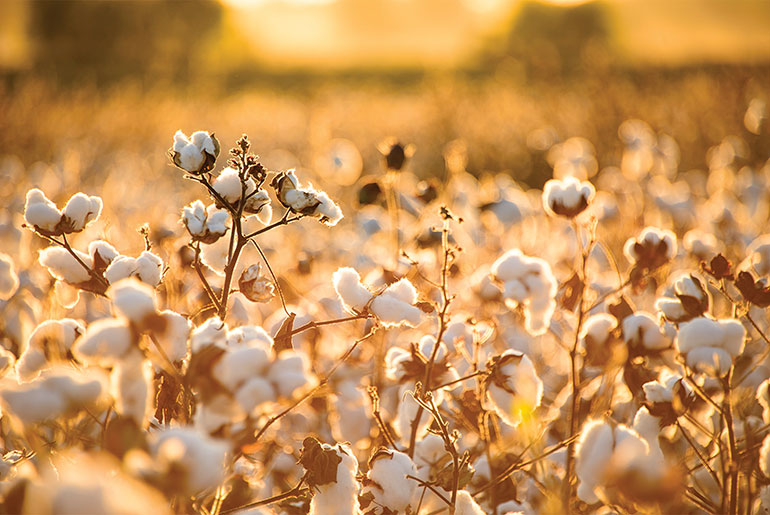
(407,411)
(195,459)
(527,281)
(211,332)
(392,312)
(52,338)
(514,387)
(395,358)
(217,413)
(253,393)
(642,332)
(59,392)
(9,281)
(121,267)
(593,451)
(429,451)
(106,252)
(149,268)
(194,218)
(338,497)
(172,338)
(192,154)
(104,343)
(80,211)
(392,489)
(329,213)
(228,185)
(568,197)
(133,300)
(290,371)
(130,386)
(216,220)
(63,265)
(41,212)
(250,336)
(353,294)
(465,505)
(350,419)
(763,396)
(237,365)
(710,360)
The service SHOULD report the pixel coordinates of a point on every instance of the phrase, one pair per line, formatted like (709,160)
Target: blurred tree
(549,39)
(111,40)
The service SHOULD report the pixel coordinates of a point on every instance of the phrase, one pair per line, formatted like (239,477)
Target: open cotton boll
(529,282)
(764,457)
(132,299)
(228,185)
(41,212)
(254,392)
(106,252)
(63,265)
(329,212)
(392,312)
(194,218)
(211,332)
(290,371)
(513,387)
(350,419)
(9,281)
(147,268)
(172,338)
(728,334)
(104,343)
(192,154)
(353,294)
(710,360)
(340,496)
(391,489)
(130,386)
(259,203)
(250,336)
(763,397)
(652,248)
(465,505)
(237,365)
(641,331)
(52,338)
(568,197)
(80,211)
(593,451)
(58,392)
(195,459)
(407,411)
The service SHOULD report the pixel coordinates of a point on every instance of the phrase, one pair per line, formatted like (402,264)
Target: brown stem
(297,490)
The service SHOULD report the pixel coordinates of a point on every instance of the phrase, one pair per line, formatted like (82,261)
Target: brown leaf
(719,268)
(572,289)
(621,309)
(321,464)
(282,340)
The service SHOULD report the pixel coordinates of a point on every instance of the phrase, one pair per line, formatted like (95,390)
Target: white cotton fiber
(132,299)
(63,266)
(353,294)
(465,505)
(197,458)
(338,497)
(228,185)
(104,343)
(393,489)
(81,210)
(41,212)
(130,386)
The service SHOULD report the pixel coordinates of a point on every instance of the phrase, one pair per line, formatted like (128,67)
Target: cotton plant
(394,306)
(690,299)
(568,197)
(305,201)
(331,473)
(44,217)
(711,346)
(513,388)
(50,343)
(527,282)
(387,489)
(610,457)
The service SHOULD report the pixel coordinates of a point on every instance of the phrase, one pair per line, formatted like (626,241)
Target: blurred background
(506,78)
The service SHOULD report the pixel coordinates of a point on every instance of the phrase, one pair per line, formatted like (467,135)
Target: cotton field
(235,337)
